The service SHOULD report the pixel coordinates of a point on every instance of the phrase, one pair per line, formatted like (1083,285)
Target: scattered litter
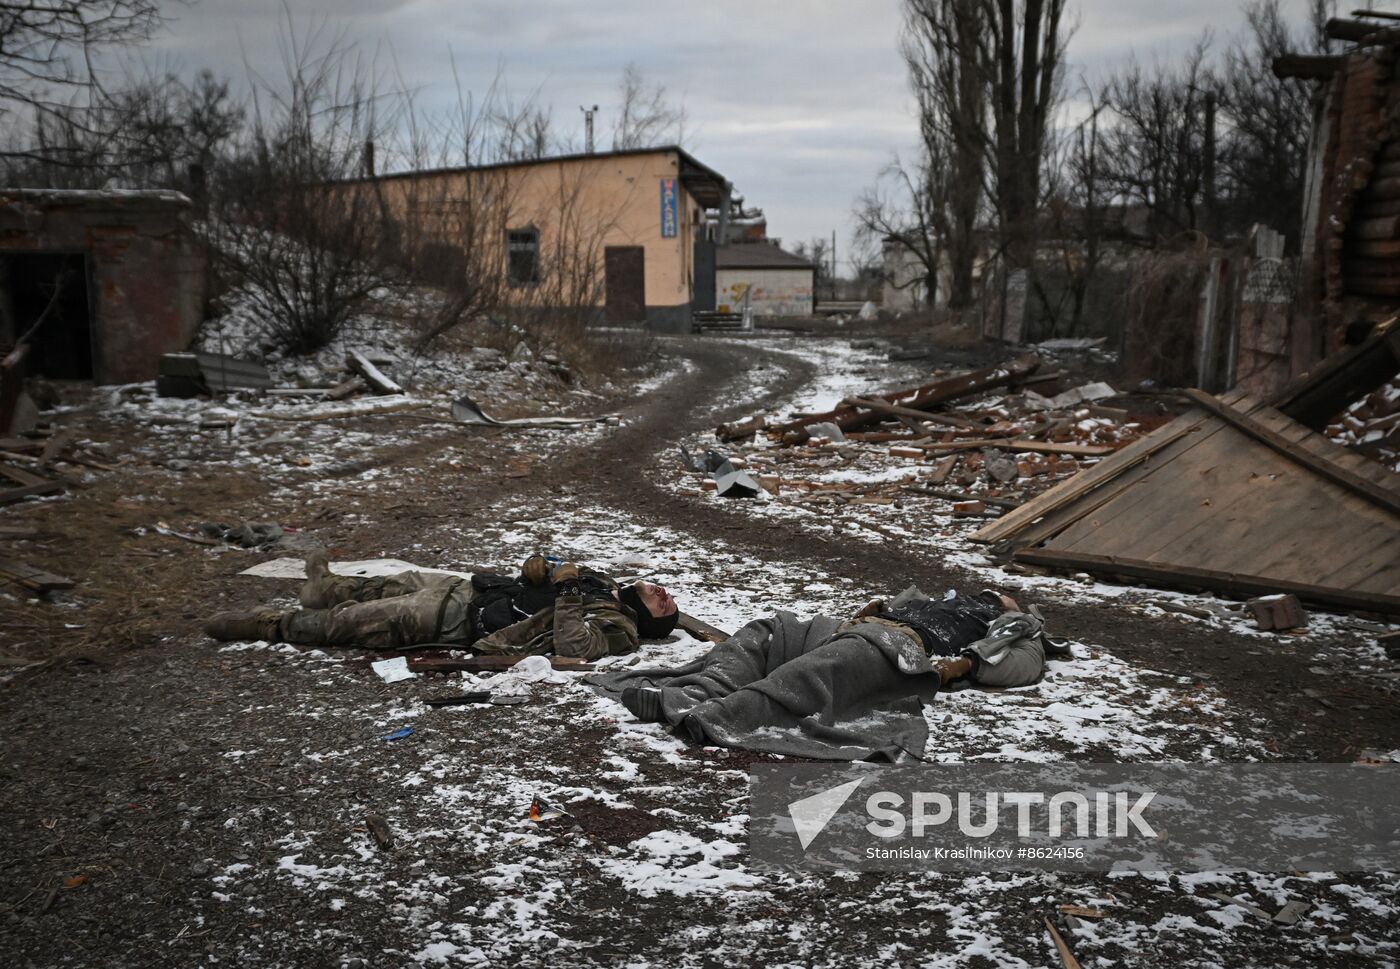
(521,677)
(542,810)
(399,734)
(245,535)
(198,374)
(295,568)
(730,482)
(467,411)
(1252,909)
(393,670)
(710,462)
(1095,391)
(1292,912)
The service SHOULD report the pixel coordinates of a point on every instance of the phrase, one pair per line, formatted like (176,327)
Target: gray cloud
(799,102)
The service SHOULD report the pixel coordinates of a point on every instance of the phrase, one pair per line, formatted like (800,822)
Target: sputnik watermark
(1113,814)
(981,817)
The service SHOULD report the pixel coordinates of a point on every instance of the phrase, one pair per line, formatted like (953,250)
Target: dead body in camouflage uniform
(588,615)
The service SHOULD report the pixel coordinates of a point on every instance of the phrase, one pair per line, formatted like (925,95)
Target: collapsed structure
(1236,496)
(94,285)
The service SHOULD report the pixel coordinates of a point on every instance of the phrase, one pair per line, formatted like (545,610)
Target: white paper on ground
(521,677)
(393,670)
(290,568)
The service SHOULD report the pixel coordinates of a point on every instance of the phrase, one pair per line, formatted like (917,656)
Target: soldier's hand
(535,570)
(564,572)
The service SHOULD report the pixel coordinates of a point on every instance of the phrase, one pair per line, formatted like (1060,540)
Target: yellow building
(630,233)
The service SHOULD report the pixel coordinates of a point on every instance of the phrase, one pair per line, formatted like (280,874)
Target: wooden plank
(702,631)
(1329,386)
(1387,227)
(1380,249)
(1371,285)
(1325,448)
(1129,481)
(1370,208)
(54,447)
(456,664)
(359,363)
(925,396)
(1375,568)
(21,476)
(1022,444)
(1301,529)
(1237,584)
(1366,488)
(1312,67)
(1196,486)
(1071,490)
(35,580)
(883,407)
(8,495)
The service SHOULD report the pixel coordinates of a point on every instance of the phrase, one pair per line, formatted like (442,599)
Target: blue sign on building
(670,209)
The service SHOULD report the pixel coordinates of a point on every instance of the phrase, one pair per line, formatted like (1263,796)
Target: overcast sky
(798,102)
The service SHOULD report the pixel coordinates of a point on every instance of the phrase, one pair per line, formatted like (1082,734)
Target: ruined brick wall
(146,272)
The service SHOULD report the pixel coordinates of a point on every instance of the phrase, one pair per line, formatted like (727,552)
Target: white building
(778,283)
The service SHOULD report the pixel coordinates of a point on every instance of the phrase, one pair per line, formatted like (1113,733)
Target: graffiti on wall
(785,300)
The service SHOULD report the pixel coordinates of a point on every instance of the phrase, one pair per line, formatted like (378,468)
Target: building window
(523,256)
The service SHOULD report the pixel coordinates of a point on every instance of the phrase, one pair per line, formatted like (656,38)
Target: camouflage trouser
(386,612)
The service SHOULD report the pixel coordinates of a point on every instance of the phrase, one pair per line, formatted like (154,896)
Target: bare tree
(909,210)
(48,55)
(945,189)
(1157,145)
(1024,63)
(1264,149)
(986,79)
(646,116)
(311,245)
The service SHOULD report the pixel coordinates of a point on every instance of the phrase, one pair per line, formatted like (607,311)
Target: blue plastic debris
(400,733)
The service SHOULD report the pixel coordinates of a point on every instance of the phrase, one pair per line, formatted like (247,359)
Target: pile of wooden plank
(985,429)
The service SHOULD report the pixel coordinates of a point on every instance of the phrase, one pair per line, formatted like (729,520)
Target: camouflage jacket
(588,629)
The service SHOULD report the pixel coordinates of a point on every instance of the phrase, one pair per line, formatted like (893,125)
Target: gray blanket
(782,685)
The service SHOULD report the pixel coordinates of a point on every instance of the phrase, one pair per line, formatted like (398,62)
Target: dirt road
(171,802)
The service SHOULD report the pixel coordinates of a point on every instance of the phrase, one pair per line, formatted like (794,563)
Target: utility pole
(588,114)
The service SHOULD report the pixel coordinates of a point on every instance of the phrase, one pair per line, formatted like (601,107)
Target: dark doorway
(45,295)
(624,269)
(703,297)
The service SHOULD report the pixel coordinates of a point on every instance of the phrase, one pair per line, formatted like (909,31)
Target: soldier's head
(657,612)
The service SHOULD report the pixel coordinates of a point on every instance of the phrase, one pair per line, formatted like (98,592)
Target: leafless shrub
(310,248)
(1161,300)
(646,115)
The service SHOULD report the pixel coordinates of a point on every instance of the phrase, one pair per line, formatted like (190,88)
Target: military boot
(305,627)
(264,623)
(323,588)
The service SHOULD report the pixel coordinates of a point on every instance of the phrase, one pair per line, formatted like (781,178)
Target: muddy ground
(151,779)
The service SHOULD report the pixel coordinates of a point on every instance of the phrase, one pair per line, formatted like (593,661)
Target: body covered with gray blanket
(805,688)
